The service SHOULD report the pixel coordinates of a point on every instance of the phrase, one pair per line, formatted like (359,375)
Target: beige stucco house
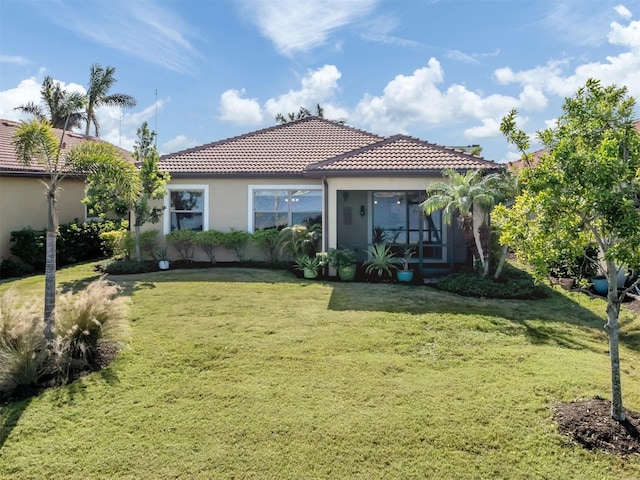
(353,182)
(22,194)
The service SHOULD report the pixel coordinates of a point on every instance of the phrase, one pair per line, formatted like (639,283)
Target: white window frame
(178,187)
(253,188)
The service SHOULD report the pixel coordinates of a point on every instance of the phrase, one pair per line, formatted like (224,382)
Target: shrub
(22,350)
(76,242)
(123,267)
(89,316)
(183,241)
(513,283)
(14,267)
(300,240)
(117,243)
(29,245)
(236,240)
(267,240)
(208,240)
(149,243)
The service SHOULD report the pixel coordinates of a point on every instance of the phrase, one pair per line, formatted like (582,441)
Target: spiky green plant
(22,348)
(89,316)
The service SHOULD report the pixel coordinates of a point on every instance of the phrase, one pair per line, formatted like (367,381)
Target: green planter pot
(347,273)
(310,273)
(405,275)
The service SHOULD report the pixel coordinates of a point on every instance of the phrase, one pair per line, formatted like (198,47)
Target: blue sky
(445,71)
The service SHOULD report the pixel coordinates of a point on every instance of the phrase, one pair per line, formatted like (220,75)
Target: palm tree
(302,113)
(61,108)
(100,81)
(36,142)
(458,194)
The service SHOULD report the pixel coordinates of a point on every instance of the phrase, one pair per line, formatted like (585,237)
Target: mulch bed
(589,423)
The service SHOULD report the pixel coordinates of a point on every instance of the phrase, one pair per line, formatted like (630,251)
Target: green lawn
(234,373)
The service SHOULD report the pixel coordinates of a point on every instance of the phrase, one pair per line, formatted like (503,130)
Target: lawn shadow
(555,310)
(12,413)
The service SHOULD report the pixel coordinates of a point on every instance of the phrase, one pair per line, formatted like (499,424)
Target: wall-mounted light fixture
(362,212)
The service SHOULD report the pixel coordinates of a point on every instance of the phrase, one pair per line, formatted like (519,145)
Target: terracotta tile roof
(285,149)
(9,164)
(401,154)
(315,146)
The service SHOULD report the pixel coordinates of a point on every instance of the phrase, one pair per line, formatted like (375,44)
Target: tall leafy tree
(107,192)
(100,82)
(63,109)
(458,194)
(36,142)
(583,191)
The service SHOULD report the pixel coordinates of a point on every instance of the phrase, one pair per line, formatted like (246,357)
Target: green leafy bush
(514,283)
(149,243)
(236,240)
(117,243)
(208,241)
(76,242)
(267,240)
(29,246)
(183,241)
(123,267)
(14,267)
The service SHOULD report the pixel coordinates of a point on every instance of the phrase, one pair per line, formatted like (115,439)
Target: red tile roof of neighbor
(315,146)
(9,163)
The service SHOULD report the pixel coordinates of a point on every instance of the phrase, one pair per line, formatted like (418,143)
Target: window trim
(186,186)
(276,186)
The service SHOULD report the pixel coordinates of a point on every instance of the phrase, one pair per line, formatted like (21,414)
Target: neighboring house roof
(11,165)
(401,154)
(315,146)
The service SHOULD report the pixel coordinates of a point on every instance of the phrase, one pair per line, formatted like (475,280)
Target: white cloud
(623,11)
(14,59)
(459,56)
(301,25)
(28,90)
(238,110)
(146,30)
(318,86)
(578,23)
(181,142)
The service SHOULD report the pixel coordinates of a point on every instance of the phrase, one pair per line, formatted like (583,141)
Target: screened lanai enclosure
(395,218)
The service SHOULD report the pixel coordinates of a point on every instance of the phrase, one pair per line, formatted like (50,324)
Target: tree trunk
(50,267)
(137,234)
(612,327)
(503,259)
(466,225)
(484,232)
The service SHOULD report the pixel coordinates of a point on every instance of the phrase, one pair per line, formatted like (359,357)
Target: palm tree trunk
(50,266)
(503,259)
(466,224)
(484,232)
(137,235)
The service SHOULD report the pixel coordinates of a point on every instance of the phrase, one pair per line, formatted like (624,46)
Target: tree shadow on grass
(11,414)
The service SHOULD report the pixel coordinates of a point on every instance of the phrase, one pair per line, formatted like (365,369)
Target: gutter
(325,215)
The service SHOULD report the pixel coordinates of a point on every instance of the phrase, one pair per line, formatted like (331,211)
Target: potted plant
(381,262)
(163,260)
(344,261)
(308,265)
(405,274)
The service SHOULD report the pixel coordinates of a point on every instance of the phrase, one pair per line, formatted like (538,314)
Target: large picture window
(186,208)
(283,207)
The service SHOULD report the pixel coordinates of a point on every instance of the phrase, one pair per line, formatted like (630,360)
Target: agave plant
(381,260)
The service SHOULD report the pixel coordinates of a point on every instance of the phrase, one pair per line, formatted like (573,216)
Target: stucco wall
(23,203)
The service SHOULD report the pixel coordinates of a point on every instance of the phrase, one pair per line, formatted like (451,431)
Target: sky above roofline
(443,71)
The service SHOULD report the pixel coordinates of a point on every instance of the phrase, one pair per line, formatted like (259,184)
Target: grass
(241,373)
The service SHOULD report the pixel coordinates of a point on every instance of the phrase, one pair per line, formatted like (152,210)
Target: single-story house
(22,195)
(355,183)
